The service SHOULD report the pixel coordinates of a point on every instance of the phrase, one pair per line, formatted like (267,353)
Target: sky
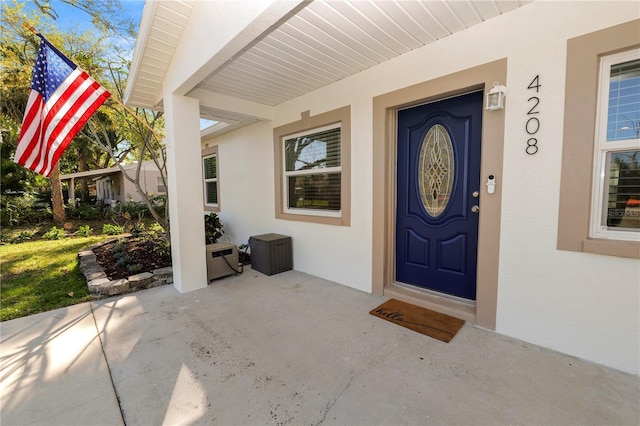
(71,18)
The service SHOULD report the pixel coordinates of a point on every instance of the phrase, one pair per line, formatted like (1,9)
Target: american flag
(61,100)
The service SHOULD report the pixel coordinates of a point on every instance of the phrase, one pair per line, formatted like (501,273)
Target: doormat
(433,324)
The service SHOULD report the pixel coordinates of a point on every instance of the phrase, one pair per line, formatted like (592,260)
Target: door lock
(475,194)
(475,209)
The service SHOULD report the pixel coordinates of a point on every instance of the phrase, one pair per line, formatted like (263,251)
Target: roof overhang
(292,48)
(91,173)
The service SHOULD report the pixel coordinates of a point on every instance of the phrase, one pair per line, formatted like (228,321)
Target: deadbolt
(475,194)
(475,209)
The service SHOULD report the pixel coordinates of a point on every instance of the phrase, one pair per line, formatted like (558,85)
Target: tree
(18,53)
(114,130)
(147,145)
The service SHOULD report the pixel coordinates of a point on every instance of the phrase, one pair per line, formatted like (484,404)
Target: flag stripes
(50,124)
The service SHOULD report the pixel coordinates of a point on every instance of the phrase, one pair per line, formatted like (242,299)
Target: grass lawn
(41,275)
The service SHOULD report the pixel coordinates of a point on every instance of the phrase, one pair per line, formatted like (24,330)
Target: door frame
(482,77)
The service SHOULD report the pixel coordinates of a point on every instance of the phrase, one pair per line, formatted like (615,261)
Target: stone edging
(99,283)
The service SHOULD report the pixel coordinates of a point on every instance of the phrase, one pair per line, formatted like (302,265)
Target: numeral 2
(537,101)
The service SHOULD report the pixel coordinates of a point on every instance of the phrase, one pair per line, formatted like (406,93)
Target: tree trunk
(84,185)
(57,201)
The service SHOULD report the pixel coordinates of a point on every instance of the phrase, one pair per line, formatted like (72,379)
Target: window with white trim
(615,212)
(313,172)
(210,174)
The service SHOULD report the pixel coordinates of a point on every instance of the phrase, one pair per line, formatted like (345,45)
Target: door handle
(475,209)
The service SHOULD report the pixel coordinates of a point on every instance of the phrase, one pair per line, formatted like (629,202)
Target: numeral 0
(533,128)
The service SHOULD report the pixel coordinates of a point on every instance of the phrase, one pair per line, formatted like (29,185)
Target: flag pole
(30,28)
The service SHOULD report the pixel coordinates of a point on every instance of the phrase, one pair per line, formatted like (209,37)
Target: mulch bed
(142,252)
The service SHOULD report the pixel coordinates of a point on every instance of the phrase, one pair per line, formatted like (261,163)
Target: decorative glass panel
(623,209)
(436,170)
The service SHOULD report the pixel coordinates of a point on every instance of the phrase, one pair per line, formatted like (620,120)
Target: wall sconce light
(495,97)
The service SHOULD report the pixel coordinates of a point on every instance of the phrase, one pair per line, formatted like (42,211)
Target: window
(160,184)
(313,168)
(312,172)
(211,183)
(616,201)
(583,158)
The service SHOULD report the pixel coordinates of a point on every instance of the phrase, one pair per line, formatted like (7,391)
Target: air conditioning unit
(222,260)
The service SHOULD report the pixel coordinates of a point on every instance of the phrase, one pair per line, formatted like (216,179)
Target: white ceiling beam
(274,14)
(231,104)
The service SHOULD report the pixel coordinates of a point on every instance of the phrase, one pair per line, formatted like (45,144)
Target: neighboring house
(362,131)
(110,186)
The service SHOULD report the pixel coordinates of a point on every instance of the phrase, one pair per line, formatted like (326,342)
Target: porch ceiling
(323,42)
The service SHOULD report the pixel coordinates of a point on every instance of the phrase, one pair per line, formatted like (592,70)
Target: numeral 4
(535,83)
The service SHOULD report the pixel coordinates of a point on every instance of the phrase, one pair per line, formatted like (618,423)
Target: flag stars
(50,71)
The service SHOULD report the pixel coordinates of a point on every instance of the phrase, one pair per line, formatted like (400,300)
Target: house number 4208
(533,122)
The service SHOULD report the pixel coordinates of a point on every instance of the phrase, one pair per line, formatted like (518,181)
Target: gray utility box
(216,265)
(271,253)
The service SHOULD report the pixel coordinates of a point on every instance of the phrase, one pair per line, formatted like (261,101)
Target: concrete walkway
(287,349)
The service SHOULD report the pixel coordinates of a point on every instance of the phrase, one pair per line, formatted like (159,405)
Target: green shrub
(54,234)
(212,228)
(136,228)
(134,269)
(155,229)
(163,248)
(110,229)
(131,209)
(22,237)
(84,231)
(123,259)
(83,211)
(118,247)
(23,209)
(159,203)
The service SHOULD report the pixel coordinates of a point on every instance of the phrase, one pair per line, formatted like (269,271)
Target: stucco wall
(148,183)
(582,304)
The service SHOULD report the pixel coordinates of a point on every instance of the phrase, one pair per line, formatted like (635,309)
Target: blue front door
(438,186)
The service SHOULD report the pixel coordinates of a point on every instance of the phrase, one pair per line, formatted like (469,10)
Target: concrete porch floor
(287,349)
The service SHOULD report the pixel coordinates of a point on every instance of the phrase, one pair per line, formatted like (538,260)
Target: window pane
(315,151)
(317,191)
(624,101)
(212,192)
(210,168)
(623,209)
(161,187)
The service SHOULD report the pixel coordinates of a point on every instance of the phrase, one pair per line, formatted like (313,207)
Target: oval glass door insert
(436,170)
